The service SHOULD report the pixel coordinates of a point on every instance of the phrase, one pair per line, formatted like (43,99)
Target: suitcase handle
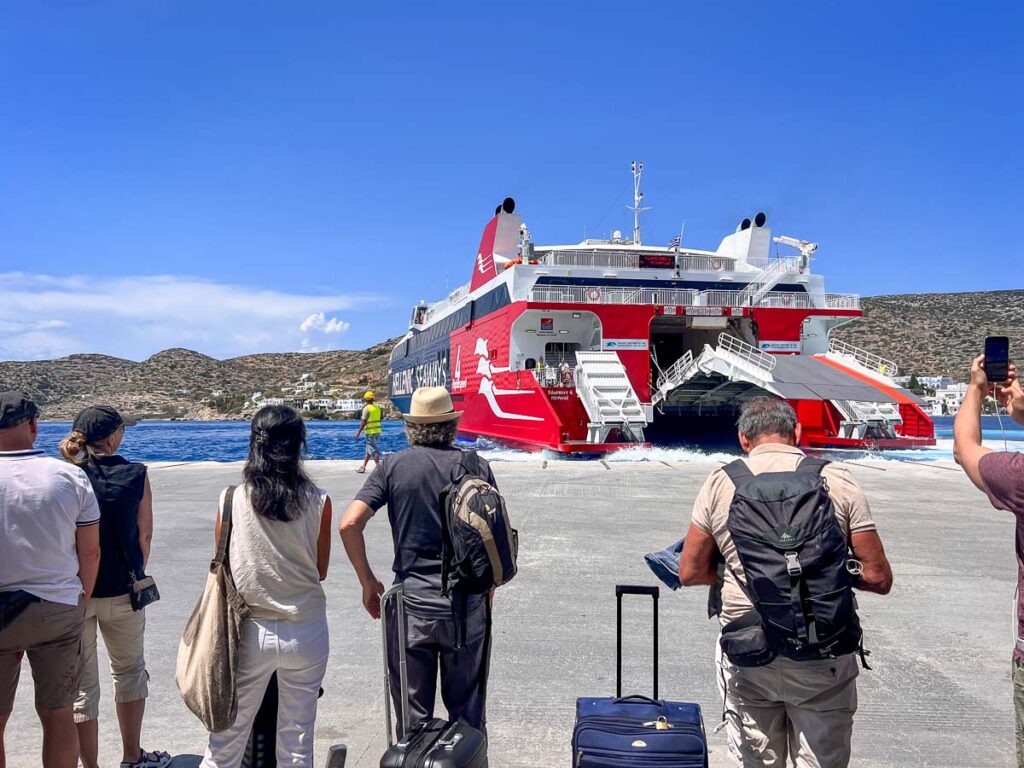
(627,589)
(396,593)
(637,700)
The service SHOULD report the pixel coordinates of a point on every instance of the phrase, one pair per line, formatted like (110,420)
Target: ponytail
(74,448)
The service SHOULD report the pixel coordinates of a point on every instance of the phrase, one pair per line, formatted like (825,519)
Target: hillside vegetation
(937,333)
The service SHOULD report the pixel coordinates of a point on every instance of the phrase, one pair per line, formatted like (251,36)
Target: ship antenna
(638,197)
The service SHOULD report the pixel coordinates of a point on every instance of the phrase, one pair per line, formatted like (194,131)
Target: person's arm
(351,529)
(697,563)
(145,522)
(877,574)
(363,418)
(87,545)
(967,447)
(323,542)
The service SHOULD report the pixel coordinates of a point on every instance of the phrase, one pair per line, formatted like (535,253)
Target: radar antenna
(638,196)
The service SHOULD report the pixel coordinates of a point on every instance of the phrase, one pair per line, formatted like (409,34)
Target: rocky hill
(937,333)
(926,334)
(180,383)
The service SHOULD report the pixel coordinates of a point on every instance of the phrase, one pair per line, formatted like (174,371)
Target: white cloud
(318,322)
(44,316)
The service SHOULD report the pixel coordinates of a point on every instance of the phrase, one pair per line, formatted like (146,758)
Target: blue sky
(253,176)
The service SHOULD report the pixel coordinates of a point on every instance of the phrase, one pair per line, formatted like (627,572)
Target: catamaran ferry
(612,343)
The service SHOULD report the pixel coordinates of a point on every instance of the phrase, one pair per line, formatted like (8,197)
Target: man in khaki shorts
(786,712)
(49,556)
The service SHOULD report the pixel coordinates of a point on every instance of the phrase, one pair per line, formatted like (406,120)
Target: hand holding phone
(997,359)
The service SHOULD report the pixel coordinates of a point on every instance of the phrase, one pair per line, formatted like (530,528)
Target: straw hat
(431,405)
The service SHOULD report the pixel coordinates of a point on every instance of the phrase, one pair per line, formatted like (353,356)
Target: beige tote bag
(208,652)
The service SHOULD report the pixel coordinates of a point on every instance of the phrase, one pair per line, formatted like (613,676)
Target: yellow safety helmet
(369,395)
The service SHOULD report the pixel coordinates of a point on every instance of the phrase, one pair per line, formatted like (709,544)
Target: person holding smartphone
(1000,475)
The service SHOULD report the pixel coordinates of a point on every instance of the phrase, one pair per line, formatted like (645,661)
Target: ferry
(608,344)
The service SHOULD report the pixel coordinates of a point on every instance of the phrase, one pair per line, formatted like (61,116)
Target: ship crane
(806,248)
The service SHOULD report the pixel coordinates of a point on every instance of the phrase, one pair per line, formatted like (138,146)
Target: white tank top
(274,562)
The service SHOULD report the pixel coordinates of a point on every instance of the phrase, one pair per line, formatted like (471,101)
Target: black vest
(119,485)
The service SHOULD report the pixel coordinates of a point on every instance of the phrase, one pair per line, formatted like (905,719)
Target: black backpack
(479,544)
(797,566)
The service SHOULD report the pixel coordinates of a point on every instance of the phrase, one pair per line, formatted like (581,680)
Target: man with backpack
(433,492)
(797,537)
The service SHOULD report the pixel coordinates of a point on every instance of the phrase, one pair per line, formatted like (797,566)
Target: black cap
(16,407)
(99,421)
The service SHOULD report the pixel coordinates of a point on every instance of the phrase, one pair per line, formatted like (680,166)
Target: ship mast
(638,196)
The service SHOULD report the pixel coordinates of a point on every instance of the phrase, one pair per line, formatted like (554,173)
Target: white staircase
(765,280)
(864,420)
(608,397)
(676,374)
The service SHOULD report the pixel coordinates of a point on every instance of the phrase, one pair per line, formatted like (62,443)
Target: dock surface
(939,693)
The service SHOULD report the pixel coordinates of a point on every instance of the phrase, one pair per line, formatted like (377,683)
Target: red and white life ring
(594,294)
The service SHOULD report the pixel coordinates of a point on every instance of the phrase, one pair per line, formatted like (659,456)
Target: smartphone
(997,359)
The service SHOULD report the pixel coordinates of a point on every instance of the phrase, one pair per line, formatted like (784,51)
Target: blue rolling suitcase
(635,731)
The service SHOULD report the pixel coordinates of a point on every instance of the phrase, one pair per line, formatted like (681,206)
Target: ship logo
(480,264)
(490,392)
(457,381)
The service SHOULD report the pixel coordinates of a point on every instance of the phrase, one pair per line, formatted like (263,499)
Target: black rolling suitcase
(432,744)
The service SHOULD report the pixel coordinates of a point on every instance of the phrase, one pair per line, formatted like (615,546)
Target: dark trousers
(430,647)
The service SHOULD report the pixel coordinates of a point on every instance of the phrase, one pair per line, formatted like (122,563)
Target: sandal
(361,471)
(155,759)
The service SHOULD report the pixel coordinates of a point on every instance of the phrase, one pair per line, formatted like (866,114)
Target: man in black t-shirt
(410,483)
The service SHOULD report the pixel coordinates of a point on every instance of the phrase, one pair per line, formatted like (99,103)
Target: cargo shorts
(123,630)
(50,635)
(371,444)
(792,713)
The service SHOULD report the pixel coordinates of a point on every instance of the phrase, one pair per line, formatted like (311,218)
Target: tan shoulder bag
(208,653)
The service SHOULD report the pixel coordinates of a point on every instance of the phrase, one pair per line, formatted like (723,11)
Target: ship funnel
(760,219)
(745,224)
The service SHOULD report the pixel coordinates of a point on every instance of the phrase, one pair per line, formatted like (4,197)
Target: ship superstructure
(608,343)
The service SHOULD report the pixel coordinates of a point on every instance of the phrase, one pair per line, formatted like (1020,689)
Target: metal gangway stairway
(693,381)
(608,397)
(765,280)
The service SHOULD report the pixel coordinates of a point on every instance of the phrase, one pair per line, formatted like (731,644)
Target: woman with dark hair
(126,530)
(279,550)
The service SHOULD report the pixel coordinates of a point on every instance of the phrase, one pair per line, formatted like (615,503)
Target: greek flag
(675,242)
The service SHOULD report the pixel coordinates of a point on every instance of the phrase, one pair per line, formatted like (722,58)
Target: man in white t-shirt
(49,557)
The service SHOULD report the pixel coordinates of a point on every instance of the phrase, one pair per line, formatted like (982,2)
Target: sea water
(229,441)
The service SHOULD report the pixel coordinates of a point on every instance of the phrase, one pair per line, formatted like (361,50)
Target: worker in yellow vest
(370,426)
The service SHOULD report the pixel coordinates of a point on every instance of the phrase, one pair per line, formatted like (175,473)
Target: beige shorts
(792,713)
(50,635)
(122,630)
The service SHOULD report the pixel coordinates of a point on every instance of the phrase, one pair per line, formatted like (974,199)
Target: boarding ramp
(733,371)
(608,397)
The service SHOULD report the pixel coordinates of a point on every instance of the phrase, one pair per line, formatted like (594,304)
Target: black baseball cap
(16,407)
(99,421)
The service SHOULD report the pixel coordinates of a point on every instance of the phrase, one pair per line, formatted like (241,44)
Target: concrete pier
(939,693)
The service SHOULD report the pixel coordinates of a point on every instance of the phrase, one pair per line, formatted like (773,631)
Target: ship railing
(688,262)
(555,376)
(691,262)
(868,360)
(602,294)
(578,257)
(595,294)
(746,352)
